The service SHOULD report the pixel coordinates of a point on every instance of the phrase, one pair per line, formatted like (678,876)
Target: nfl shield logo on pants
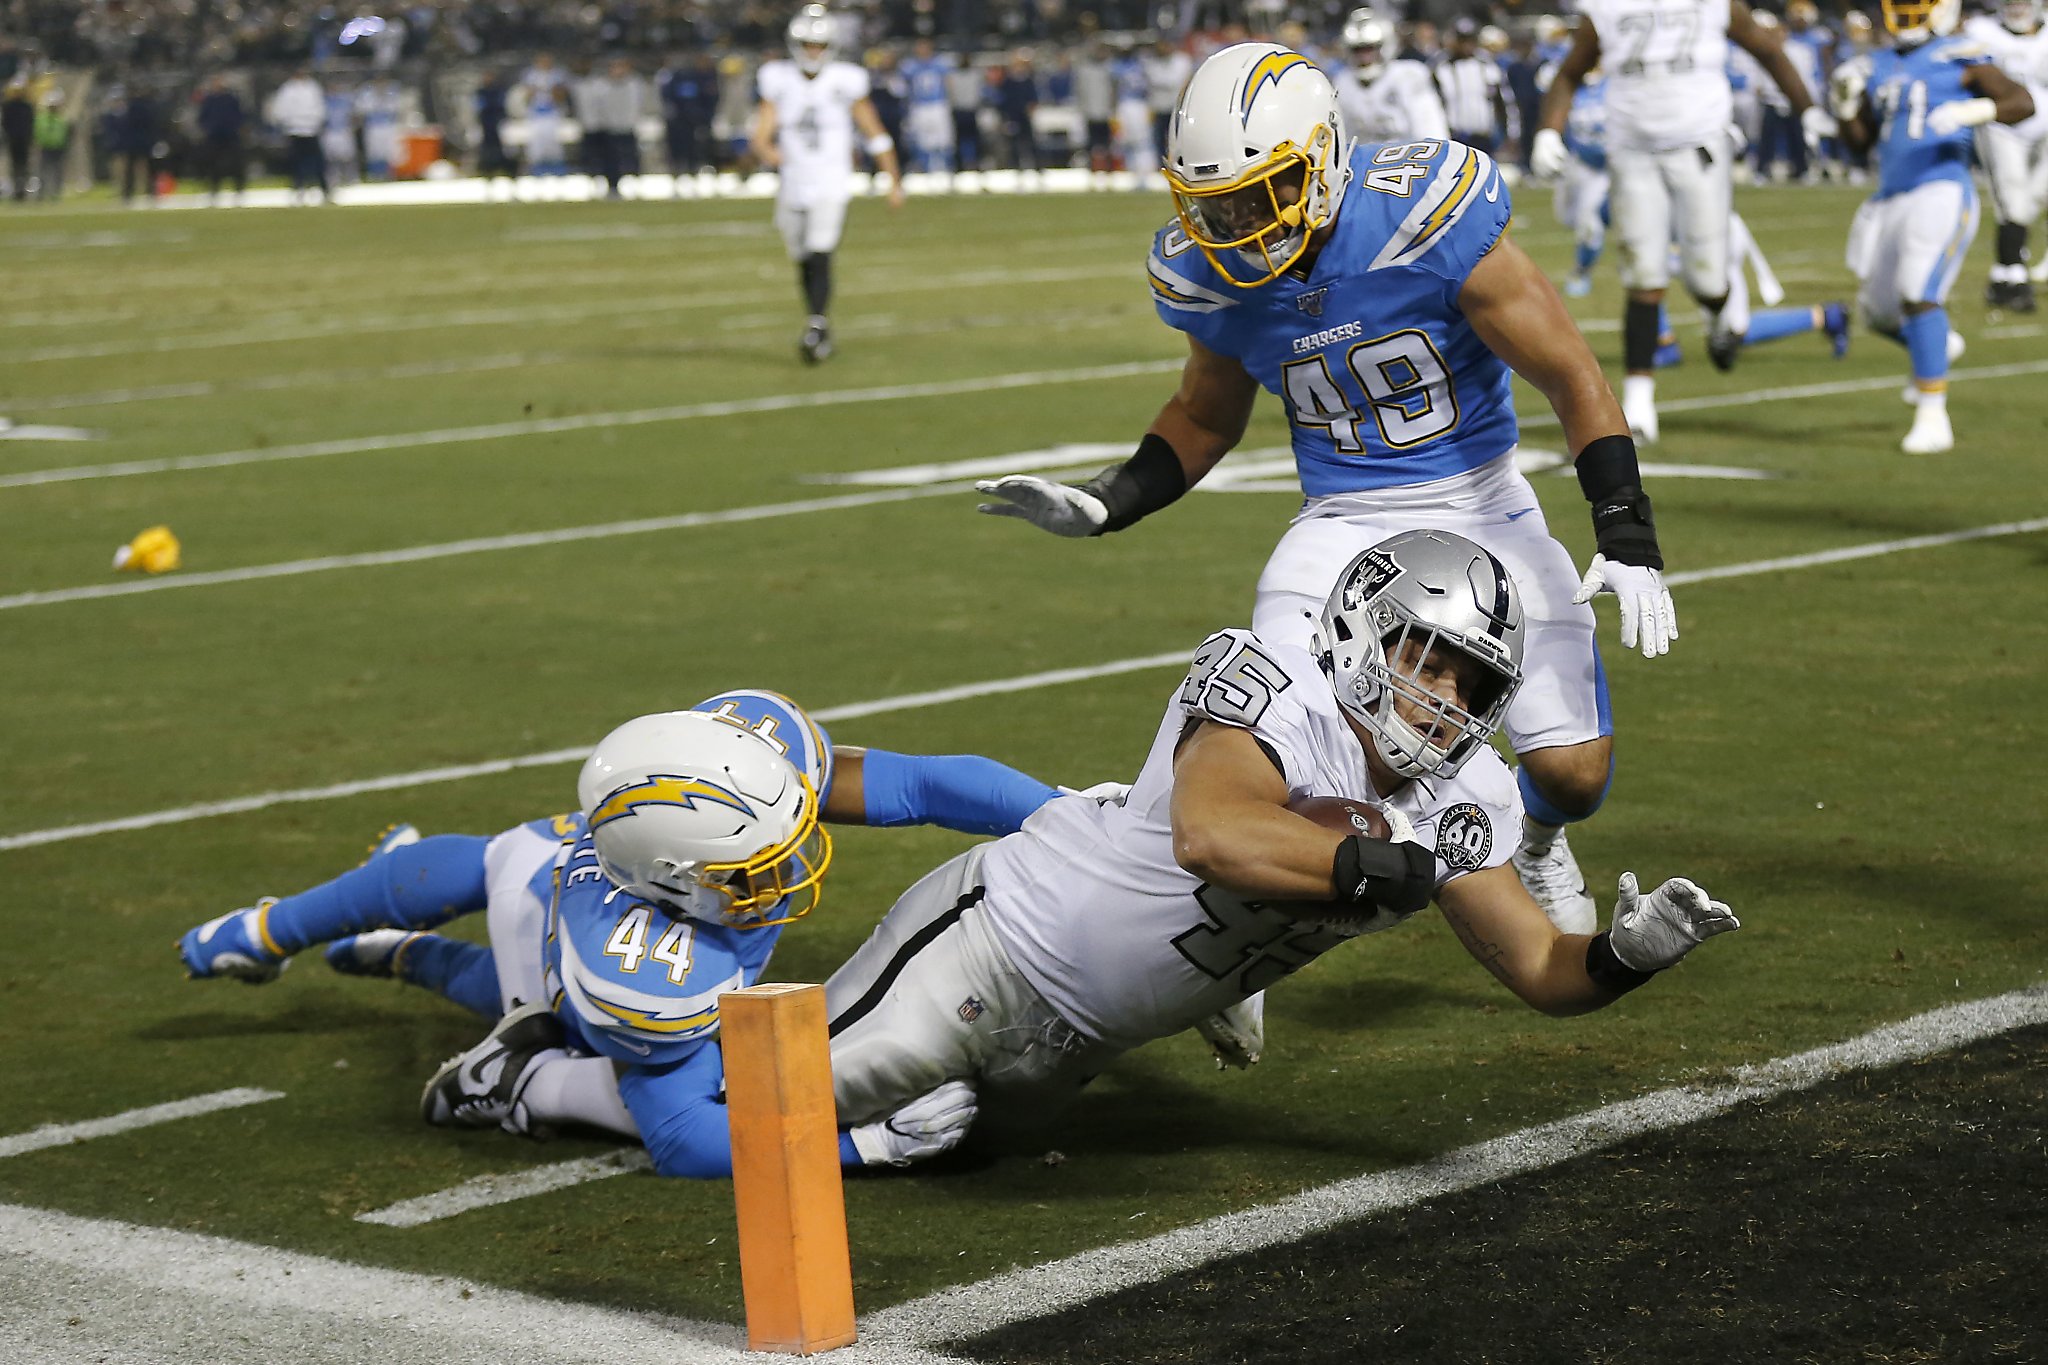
(971,1009)
(1311,302)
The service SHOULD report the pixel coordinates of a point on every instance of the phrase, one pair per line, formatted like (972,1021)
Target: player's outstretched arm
(967,792)
(1566,974)
(1516,312)
(1769,50)
(1547,154)
(1198,426)
(2000,99)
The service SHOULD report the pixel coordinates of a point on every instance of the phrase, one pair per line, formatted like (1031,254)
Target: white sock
(1639,390)
(578,1090)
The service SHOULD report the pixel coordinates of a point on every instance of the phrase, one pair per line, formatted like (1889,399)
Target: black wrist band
(1149,480)
(1608,466)
(1624,529)
(1609,972)
(1397,877)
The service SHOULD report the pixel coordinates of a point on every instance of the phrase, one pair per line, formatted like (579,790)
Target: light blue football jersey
(1585,128)
(649,981)
(925,79)
(1904,87)
(1385,382)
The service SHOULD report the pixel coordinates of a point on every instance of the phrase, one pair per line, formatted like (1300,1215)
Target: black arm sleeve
(1397,877)
(1141,485)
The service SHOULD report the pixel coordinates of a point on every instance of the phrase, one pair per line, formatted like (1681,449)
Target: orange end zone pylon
(795,1270)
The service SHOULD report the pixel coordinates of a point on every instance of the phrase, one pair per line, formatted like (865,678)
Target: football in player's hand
(1344,815)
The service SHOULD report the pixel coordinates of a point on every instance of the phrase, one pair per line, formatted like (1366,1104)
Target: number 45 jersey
(1091,907)
(1385,382)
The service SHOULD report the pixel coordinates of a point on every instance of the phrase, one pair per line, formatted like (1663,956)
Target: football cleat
(1667,354)
(1578,286)
(1642,421)
(1931,433)
(235,944)
(2020,296)
(1723,346)
(394,836)
(379,953)
(481,1088)
(1834,320)
(816,343)
(1554,881)
(1237,1034)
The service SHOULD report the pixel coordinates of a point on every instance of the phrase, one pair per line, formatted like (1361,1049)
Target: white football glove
(1846,87)
(1957,115)
(1237,1035)
(932,1123)
(1816,126)
(1650,933)
(1547,154)
(1400,829)
(1059,508)
(1646,610)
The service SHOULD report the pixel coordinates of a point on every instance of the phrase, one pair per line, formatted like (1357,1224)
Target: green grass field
(1848,753)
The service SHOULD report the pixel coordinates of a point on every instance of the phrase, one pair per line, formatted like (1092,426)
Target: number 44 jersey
(1092,908)
(1385,382)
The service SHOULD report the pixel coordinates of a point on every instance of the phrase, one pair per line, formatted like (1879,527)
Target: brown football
(1343,814)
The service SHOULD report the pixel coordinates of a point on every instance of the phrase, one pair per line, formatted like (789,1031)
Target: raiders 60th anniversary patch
(1464,837)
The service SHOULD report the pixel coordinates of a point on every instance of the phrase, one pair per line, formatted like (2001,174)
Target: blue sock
(1538,807)
(1773,323)
(463,972)
(1926,336)
(1585,258)
(413,887)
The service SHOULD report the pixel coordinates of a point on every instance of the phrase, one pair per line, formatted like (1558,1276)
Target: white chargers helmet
(1368,36)
(1913,22)
(706,819)
(1257,159)
(812,27)
(1406,612)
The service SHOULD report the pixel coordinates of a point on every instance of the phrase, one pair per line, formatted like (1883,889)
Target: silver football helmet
(1370,39)
(1407,612)
(2021,16)
(811,27)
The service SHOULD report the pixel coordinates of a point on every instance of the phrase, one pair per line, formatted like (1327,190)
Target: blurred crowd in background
(143,94)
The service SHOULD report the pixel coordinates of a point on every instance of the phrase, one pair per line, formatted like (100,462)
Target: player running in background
(1580,199)
(1668,113)
(613,929)
(1026,965)
(1918,102)
(804,126)
(929,119)
(1385,98)
(2015,157)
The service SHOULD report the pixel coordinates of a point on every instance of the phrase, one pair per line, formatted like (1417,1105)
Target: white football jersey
(814,126)
(1127,945)
(1401,106)
(2022,56)
(1666,66)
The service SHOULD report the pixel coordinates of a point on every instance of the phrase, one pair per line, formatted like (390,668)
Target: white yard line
(595,421)
(82,1289)
(425,369)
(64,1134)
(1034,1291)
(487,1190)
(423,777)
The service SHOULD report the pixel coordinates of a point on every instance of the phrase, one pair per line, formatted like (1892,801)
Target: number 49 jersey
(1385,382)
(1090,905)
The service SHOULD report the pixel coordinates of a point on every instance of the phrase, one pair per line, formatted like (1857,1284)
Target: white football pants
(2016,167)
(1661,197)
(1909,247)
(811,228)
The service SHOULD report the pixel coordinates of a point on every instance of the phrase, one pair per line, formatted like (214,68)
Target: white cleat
(1931,433)
(1956,346)
(1237,1034)
(1642,421)
(1554,881)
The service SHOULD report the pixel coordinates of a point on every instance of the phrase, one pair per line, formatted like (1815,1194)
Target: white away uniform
(1401,104)
(1028,963)
(1668,110)
(814,134)
(2015,156)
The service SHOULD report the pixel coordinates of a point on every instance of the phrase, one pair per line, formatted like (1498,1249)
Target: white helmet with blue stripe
(784,724)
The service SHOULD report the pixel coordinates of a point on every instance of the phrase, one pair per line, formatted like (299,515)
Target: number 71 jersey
(1385,382)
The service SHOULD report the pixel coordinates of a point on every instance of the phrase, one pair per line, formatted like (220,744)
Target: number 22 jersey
(1091,907)
(1385,382)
